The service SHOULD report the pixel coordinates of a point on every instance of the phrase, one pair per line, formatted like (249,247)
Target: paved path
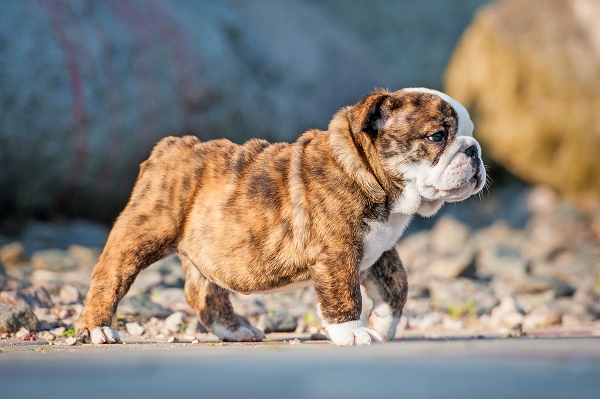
(484,368)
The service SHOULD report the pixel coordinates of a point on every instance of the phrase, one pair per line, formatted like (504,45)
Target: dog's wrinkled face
(425,142)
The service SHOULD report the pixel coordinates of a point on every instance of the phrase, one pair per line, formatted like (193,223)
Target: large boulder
(529,70)
(87,88)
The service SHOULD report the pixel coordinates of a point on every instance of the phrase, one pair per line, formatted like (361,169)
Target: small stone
(194,327)
(449,236)
(48,336)
(86,258)
(195,341)
(541,318)
(451,266)
(173,323)
(9,283)
(51,281)
(71,341)
(22,332)
(144,282)
(134,329)
(33,298)
(12,318)
(68,294)
(462,292)
(170,298)
(450,323)
(12,255)
(318,336)
(58,331)
(53,260)
(171,340)
(278,321)
(142,308)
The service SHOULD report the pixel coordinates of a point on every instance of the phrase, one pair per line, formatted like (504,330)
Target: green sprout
(68,333)
(455,311)
(519,335)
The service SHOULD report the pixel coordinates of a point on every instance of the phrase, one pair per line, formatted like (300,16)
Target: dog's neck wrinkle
(346,153)
(369,151)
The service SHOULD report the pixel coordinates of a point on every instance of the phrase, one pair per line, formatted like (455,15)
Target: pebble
(173,323)
(172,339)
(195,341)
(12,255)
(13,318)
(278,321)
(48,336)
(317,336)
(71,341)
(22,332)
(134,329)
(33,298)
(142,308)
(69,294)
(54,260)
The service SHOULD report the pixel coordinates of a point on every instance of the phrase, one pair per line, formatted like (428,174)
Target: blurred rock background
(88,87)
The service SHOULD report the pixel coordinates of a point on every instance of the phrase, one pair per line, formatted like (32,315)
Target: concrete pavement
(472,368)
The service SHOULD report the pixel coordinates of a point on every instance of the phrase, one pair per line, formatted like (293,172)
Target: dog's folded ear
(370,113)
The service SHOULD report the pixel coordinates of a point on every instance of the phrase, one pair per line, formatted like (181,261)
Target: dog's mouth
(468,187)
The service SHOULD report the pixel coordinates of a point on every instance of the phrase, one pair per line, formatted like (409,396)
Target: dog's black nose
(472,152)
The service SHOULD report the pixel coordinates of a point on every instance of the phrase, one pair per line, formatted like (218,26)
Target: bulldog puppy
(326,210)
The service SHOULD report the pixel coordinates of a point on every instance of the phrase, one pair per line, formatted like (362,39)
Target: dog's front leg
(385,283)
(338,289)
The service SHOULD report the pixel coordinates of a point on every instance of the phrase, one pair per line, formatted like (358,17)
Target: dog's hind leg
(385,283)
(214,308)
(145,232)
(135,242)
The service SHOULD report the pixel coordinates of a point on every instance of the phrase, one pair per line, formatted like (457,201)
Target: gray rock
(13,318)
(449,236)
(146,280)
(462,292)
(452,266)
(9,283)
(134,329)
(172,272)
(278,321)
(12,255)
(171,298)
(33,298)
(194,327)
(69,294)
(51,281)
(142,308)
(247,306)
(39,236)
(514,284)
(71,341)
(48,336)
(86,258)
(500,259)
(173,323)
(54,260)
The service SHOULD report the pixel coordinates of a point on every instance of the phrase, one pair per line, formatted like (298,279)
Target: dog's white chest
(381,237)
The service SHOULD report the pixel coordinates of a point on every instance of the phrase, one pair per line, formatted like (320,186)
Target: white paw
(382,321)
(352,333)
(259,334)
(104,335)
(242,334)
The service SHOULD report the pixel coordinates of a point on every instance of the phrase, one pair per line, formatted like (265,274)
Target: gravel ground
(493,281)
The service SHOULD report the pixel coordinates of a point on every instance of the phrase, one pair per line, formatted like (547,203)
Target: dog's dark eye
(438,136)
